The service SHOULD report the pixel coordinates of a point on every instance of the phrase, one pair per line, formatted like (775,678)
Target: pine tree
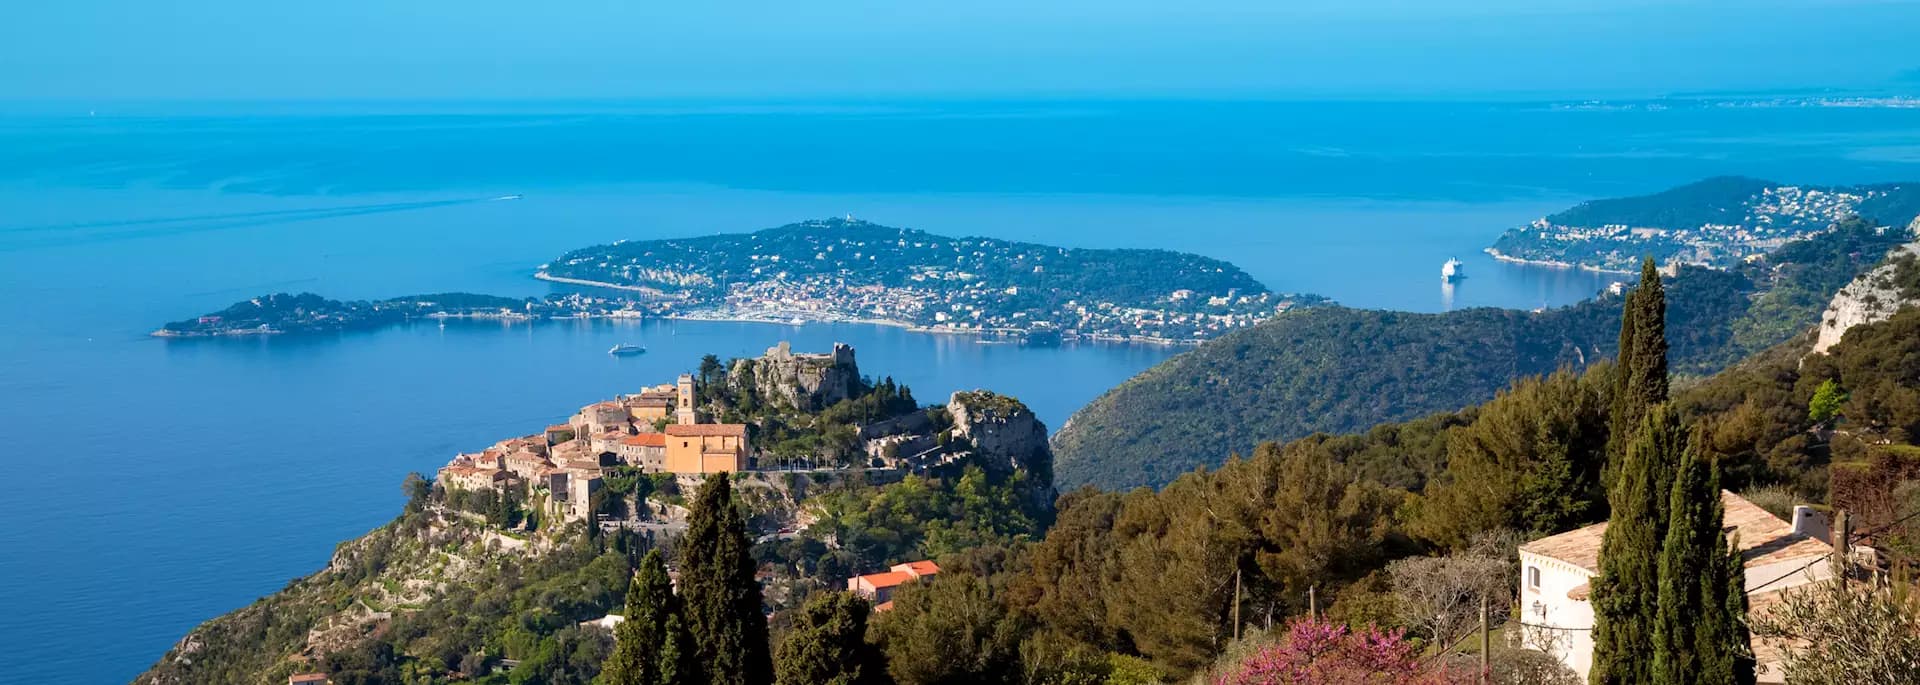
(1689,631)
(720,593)
(1627,591)
(828,645)
(651,606)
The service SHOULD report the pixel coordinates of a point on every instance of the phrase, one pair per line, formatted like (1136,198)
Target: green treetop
(640,642)
(828,645)
(1626,593)
(1690,623)
(1640,377)
(721,595)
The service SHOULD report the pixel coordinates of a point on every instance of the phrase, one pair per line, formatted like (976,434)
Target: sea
(159,483)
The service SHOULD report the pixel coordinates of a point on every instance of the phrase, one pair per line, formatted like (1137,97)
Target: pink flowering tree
(1316,652)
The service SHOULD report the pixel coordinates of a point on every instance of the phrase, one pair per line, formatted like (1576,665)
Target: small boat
(626,349)
(1453,270)
(797,321)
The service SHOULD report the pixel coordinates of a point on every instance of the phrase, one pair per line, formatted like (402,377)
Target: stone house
(1556,572)
(879,587)
(706,448)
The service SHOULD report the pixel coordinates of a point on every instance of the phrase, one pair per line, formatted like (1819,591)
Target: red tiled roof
(738,430)
(881,581)
(919,568)
(645,440)
(559,427)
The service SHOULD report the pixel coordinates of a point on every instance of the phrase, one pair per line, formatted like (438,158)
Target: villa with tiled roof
(1556,574)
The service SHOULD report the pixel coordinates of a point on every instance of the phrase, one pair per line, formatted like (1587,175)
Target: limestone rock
(1871,298)
(1005,435)
(809,382)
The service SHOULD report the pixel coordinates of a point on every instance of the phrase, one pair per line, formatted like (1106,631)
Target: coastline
(1550,263)
(544,276)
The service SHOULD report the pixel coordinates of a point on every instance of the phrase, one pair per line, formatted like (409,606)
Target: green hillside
(1338,370)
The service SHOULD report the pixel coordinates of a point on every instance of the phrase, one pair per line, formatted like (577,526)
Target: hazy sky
(249,49)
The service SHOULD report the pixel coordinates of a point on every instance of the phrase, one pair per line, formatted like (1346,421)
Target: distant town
(835,270)
(852,270)
(1717,222)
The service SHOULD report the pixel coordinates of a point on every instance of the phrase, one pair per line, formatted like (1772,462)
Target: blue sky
(273,49)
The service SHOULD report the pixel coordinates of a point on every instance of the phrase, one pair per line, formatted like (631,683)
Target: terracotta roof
(918,568)
(646,401)
(1764,538)
(886,580)
(883,606)
(707,429)
(646,440)
(559,427)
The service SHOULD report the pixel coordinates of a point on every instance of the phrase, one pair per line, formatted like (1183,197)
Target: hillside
(847,270)
(1718,222)
(1341,370)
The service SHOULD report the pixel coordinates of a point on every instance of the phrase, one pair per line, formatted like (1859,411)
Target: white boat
(506,197)
(1452,271)
(626,349)
(797,321)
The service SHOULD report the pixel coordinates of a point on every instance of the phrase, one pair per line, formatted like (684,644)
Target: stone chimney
(1812,523)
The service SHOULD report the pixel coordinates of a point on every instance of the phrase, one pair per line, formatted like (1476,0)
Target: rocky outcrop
(1004,435)
(808,382)
(1874,296)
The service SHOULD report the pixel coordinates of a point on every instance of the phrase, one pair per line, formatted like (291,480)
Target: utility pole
(1843,543)
(1236,605)
(1486,642)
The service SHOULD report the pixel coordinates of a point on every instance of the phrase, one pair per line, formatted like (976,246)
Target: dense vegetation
(1719,200)
(1330,369)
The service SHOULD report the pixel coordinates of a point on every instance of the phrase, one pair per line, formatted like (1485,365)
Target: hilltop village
(783,411)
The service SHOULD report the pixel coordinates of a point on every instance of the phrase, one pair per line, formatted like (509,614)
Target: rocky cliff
(1874,296)
(808,382)
(1005,435)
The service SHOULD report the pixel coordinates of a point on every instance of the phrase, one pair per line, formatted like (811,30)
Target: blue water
(159,483)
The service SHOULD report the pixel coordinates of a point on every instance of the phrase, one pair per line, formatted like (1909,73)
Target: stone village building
(568,460)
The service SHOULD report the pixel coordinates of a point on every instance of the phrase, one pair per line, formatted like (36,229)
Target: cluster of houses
(655,430)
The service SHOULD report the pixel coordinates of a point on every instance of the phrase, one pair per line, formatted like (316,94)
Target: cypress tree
(1689,631)
(1626,594)
(678,664)
(828,645)
(651,606)
(1640,373)
(1728,651)
(721,596)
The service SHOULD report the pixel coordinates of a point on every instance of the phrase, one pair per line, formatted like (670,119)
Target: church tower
(683,411)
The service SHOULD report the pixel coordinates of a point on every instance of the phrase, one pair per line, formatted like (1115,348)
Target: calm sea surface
(160,483)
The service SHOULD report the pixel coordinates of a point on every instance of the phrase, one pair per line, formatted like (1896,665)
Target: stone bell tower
(683,408)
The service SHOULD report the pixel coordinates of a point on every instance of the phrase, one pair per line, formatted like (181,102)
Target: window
(1533,578)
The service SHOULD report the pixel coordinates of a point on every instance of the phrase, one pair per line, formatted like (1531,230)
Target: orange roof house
(878,587)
